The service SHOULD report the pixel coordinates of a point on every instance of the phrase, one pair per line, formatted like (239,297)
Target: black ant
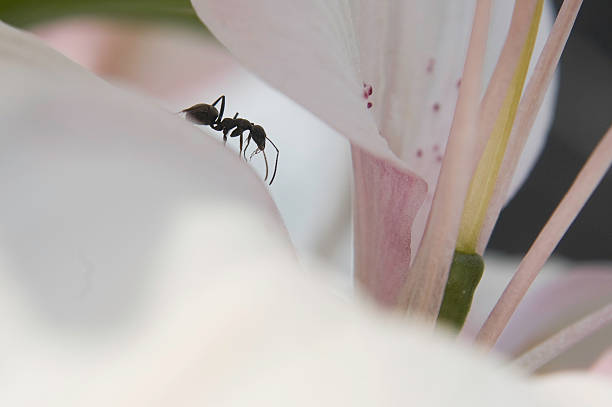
(208,115)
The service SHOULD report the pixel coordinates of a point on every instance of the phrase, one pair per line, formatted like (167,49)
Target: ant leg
(248,141)
(276,163)
(225,131)
(222,99)
(266,160)
(240,151)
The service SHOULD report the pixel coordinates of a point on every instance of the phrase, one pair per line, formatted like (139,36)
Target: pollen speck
(369,105)
(436,107)
(430,65)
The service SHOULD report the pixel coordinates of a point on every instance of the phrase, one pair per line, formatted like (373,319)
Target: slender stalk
(571,204)
(527,112)
(497,113)
(564,339)
(424,287)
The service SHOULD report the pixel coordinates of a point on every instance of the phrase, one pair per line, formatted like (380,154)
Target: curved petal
(95,179)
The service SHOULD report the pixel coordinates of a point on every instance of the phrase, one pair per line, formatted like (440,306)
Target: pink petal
(387,200)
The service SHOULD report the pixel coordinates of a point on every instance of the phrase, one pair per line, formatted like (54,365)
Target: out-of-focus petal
(94,181)
(553,306)
(252,335)
(575,389)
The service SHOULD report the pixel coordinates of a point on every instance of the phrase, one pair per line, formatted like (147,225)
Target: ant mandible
(208,115)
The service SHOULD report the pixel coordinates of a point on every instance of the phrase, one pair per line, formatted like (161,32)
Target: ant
(208,115)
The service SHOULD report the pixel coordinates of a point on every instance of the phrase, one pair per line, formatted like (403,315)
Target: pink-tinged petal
(95,181)
(387,200)
(555,305)
(603,365)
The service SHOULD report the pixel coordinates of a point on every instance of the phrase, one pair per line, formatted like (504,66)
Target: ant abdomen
(202,114)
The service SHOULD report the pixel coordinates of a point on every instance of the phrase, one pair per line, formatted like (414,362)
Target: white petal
(94,179)
(251,336)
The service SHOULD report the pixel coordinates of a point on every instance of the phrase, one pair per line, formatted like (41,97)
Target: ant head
(258,135)
(202,114)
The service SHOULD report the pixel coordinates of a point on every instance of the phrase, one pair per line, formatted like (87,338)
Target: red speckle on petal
(364,85)
(365,94)
(430,65)
(369,105)
(436,107)
(458,83)
(436,147)
(439,158)
(419,153)
(370,90)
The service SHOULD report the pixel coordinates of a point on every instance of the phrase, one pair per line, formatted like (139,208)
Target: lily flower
(155,281)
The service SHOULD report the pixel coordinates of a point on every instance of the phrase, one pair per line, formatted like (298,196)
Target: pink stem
(527,112)
(580,191)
